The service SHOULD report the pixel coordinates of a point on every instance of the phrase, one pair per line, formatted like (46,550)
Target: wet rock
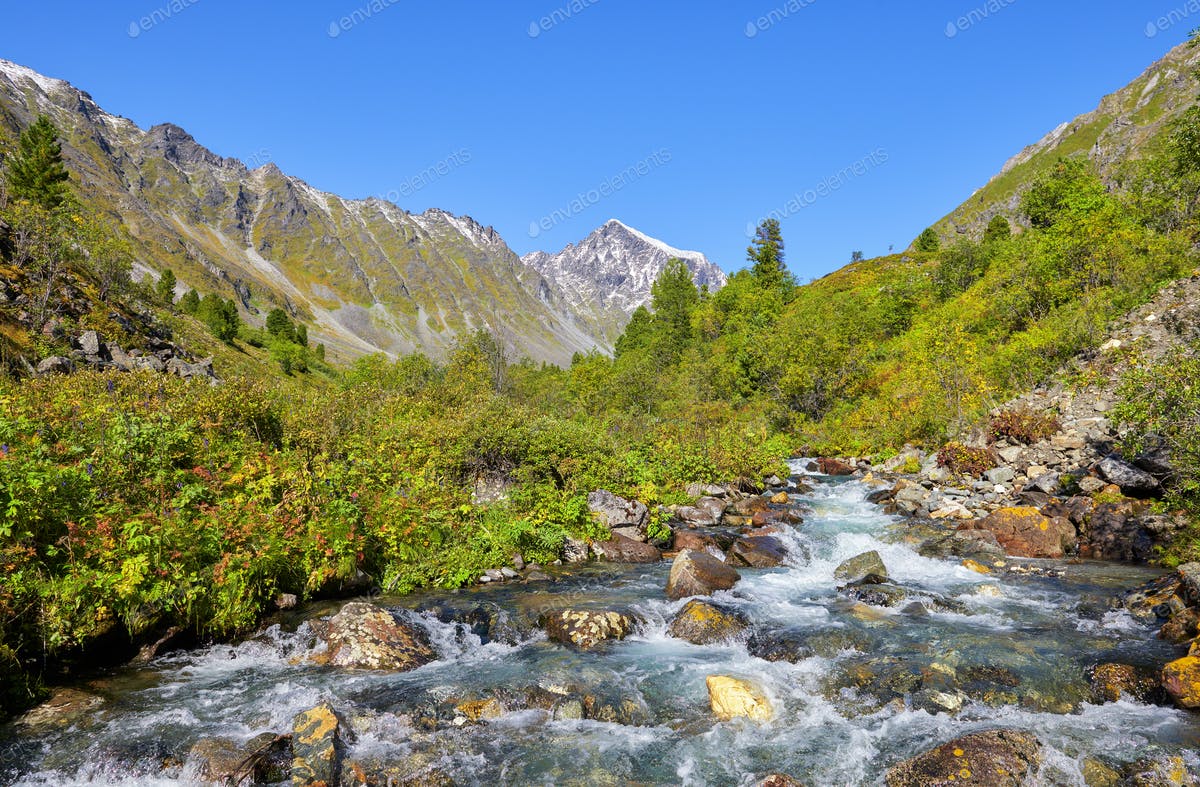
(699,574)
(1097,773)
(1182,627)
(835,467)
(285,601)
(935,702)
(780,780)
(364,636)
(1113,682)
(703,623)
(1025,532)
(481,710)
(715,507)
(978,545)
(614,710)
(617,512)
(997,758)
(65,708)
(697,517)
(1160,772)
(758,552)
(487,621)
(732,698)
(796,645)
(877,594)
(749,506)
(1134,482)
(317,747)
(621,549)
(586,629)
(1157,600)
(856,568)
(1181,680)
(215,759)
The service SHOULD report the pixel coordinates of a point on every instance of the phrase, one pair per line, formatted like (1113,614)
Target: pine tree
(929,241)
(190,302)
(165,288)
(280,325)
(36,172)
(766,256)
(674,299)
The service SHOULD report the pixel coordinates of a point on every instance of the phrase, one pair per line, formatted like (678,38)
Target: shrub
(1024,426)
(965,461)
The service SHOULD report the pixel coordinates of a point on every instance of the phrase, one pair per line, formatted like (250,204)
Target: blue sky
(687,120)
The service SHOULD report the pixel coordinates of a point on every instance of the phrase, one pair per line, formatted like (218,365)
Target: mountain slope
(612,270)
(1118,130)
(368,275)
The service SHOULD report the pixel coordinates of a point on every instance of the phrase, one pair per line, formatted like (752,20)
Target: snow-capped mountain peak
(615,267)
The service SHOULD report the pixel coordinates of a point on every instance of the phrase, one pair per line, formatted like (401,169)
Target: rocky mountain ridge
(368,275)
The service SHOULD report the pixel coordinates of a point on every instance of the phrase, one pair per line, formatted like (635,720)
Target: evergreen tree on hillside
(36,172)
(221,317)
(637,333)
(766,257)
(280,325)
(997,229)
(928,241)
(165,288)
(190,302)
(674,298)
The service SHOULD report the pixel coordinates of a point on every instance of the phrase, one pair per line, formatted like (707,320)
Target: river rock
(703,623)
(1112,682)
(1160,772)
(704,540)
(621,549)
(780,780)
(699,574)
(1026,532)
(1132,481)
(575,551)
(694,516)
(758,552)
(997,758)
(860,566)
(715,507)
(835,467)
(796,645)
(978,545)
(1181,679)
(586,629)
(617,512)
(732,698)
(317,748)
(707,490)
(364,636)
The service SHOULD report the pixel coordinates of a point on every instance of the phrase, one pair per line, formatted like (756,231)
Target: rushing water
(1025,642)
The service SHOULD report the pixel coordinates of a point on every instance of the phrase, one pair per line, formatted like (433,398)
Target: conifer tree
(36,172)
(165,288)
(766,256)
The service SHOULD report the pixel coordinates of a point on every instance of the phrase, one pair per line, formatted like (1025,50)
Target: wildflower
(91,470)
(4,450)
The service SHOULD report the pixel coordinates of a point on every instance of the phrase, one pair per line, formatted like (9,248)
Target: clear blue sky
(740,123)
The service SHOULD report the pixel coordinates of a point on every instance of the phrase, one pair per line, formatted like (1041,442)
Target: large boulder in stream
(996,758)
(317,748)
(1181,679)
(364,636)
(699,574)
(586,629)
(732,698)
(858,568)
(758,552)
(702,623)
(1026,532)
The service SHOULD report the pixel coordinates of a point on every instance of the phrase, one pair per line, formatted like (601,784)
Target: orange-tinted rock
(1026,532)
(1181,679)
(835,467)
